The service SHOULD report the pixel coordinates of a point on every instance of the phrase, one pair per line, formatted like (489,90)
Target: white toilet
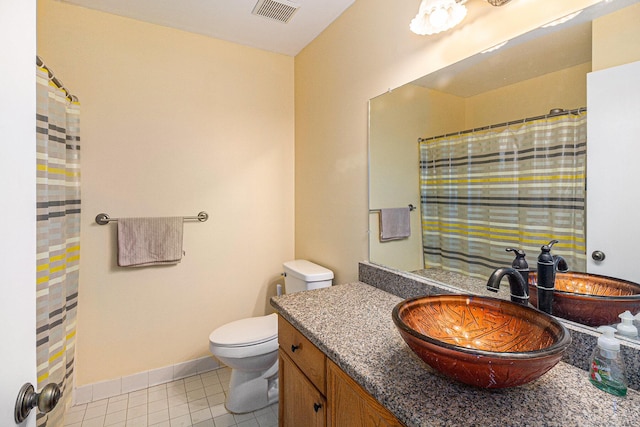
(250,346)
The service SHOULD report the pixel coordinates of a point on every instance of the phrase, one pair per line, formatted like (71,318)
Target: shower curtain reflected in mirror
(58,239)
(518,186)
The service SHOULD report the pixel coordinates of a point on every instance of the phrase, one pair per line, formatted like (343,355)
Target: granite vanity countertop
(352,325)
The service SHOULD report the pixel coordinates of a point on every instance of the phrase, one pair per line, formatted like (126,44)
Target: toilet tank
(303,275)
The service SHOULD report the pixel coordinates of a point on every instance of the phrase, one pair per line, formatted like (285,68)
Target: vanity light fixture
(435,16)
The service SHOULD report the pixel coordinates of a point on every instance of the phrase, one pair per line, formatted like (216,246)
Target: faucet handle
(516,251)
(545,253)
(519,263)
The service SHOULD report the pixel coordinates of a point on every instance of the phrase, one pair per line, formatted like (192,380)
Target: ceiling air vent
(279,10)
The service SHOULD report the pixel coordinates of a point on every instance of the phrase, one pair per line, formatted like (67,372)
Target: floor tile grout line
(216,378)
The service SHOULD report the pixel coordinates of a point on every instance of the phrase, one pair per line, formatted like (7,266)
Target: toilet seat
(246,337)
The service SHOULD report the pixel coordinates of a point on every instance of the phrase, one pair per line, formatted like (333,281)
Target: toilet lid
(244,332)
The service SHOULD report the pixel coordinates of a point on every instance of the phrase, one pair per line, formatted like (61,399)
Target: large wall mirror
(539,71)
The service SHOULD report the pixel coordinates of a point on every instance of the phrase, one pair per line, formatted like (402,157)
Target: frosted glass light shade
(435,16)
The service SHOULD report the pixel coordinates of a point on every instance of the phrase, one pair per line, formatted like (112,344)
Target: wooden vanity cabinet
(315,392)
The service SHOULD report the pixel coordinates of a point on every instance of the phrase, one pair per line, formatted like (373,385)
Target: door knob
(28,399)
(598,255)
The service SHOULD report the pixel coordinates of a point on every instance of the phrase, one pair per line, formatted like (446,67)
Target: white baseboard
(105,389)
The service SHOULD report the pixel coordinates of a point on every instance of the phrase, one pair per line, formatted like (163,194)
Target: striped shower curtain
(58,240)
(517,186)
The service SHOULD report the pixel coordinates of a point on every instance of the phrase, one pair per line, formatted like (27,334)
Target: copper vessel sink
(482,341)
(589,299)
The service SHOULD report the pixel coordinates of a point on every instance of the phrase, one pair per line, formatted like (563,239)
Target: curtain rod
(54,79)
(553,113)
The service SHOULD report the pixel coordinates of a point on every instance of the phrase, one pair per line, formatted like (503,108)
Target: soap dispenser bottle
(606,370)
(546,278)
(520,263)
(627,328)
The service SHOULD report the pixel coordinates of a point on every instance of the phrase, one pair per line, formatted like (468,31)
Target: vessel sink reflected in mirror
(481,341)
(590,299)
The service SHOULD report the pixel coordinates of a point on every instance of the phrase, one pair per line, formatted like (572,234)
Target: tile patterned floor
(196,401)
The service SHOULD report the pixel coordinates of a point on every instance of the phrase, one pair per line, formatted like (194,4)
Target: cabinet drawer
(303,353)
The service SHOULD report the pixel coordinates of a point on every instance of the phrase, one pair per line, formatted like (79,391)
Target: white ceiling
(231,20)
(529,56)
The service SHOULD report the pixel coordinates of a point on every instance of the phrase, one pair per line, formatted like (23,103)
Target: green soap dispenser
(607,366)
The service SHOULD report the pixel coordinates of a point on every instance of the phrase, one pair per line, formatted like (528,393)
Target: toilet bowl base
(250,391)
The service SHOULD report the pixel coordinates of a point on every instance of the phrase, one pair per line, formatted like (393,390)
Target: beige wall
(615,38)
(397,119)
(565,89)
(366,51)
(172,124)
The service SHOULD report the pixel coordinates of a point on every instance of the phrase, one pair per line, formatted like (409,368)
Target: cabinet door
(351,406)
(301,404)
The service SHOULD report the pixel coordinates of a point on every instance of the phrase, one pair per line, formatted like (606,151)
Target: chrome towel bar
(103,218)
(411,209)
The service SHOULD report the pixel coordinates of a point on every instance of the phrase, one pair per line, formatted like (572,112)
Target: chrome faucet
(519,289)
